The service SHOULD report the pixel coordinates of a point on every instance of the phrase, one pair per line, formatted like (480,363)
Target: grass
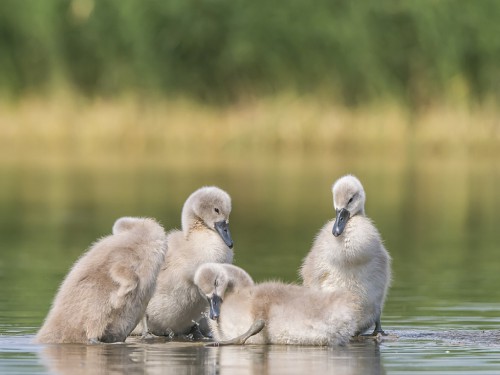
(59,128)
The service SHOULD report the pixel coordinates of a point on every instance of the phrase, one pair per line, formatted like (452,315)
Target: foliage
(223,50)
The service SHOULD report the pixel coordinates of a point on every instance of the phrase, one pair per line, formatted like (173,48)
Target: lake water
(438,214)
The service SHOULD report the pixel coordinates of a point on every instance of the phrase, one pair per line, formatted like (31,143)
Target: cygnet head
(212,280)
(348,201)
(212,207)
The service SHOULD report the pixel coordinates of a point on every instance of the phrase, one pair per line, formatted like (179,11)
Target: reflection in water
(162,358)
(439,219)
(181,358)
(275,359)
(90,359)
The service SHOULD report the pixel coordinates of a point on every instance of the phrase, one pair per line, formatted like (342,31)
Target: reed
(129,128)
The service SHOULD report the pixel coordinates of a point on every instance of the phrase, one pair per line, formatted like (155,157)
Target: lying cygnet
(348,255)
(205,237)
(277,313)
(106,292)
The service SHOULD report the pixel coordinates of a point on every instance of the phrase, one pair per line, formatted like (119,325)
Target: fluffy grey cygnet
(205,237)
(348,255)
(273,312)
(106,292)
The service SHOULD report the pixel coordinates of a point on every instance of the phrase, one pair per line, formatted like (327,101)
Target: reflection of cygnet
(91,359)
(205,237)
(106,292)
(348,255)
(290,314)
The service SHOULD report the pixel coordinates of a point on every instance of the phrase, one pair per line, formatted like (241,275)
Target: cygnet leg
(378,328)
(145,330)
(256,327)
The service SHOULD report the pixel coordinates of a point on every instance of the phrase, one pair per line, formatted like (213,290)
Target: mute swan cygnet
(277,313)
(348,255)
(106,292)
(205,237)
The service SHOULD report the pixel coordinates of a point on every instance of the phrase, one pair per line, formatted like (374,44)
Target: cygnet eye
(350,200)
(216,210)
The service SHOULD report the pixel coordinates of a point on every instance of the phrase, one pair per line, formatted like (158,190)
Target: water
(438,216)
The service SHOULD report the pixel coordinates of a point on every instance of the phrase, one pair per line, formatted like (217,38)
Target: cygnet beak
(340,222)
(222,228)
(215,302)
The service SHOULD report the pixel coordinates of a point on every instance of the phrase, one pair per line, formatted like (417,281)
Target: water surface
(438,216)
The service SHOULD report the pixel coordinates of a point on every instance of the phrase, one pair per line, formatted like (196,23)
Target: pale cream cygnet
(205,237)
(106,292)
(348,255)
(273,312)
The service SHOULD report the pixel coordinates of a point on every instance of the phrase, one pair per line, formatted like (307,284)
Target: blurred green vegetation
(221,51)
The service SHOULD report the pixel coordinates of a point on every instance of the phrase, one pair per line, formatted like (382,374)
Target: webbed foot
(378,331)
(196,334)
(148,336)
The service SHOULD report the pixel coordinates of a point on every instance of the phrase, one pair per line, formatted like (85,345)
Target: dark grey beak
(340,221)
(215,303)
(222,228)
